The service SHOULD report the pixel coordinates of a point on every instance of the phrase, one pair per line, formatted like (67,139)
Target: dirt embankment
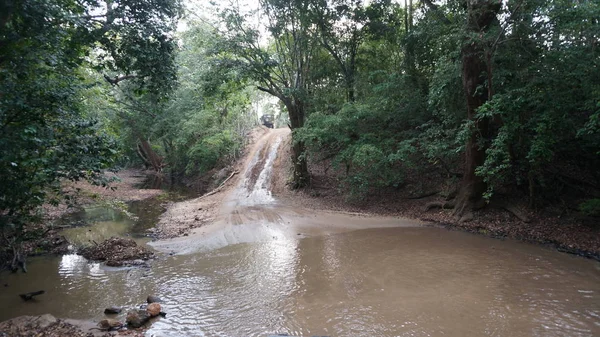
(182,217)
(510,219)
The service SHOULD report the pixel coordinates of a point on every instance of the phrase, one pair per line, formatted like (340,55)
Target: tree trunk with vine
(481,16)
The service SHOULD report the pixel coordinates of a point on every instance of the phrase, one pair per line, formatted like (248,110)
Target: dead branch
(220,186)
(424,195)
(117,79)
(29,296)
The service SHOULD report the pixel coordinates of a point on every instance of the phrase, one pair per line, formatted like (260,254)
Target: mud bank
(125,187)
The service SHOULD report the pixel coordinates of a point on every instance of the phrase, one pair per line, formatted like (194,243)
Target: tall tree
(45,133)
(481,18)
(282,68)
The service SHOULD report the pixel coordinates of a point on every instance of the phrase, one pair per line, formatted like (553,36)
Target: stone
(153,299)
(45,320)
(109,324)
(137,318)
(113,310)
(153,309)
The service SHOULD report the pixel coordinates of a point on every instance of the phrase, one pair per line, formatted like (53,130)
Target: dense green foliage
(204,121)
(543,88)
(50,56)
(504,95)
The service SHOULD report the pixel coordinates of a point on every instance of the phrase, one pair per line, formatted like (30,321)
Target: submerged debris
(29,296)
(117,252)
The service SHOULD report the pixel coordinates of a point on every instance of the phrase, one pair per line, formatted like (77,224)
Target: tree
(481,18)
(45,134)
(282,69)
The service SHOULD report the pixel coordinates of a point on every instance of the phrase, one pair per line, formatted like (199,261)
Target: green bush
(590,207)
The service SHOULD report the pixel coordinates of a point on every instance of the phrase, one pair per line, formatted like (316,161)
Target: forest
(499,98)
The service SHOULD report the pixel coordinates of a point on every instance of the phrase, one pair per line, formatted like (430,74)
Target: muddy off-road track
(246,211)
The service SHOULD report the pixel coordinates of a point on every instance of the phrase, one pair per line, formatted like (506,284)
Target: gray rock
(113,310)
(153,299)
(109,324)
(137,318)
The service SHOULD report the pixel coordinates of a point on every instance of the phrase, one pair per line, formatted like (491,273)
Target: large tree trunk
(148,154)
(301,176)
(481,16)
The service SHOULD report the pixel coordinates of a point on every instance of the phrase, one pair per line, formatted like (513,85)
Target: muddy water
(378,282)
(267,268)
(96,223)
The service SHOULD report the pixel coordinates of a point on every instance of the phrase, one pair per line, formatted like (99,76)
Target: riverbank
(46,237)
(558,227)
(126,186)
(49,326)
(182,218)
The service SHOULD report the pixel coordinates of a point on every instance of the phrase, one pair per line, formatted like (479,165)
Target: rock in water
(153,309)
(113,310)
(137,318)
(153,299)
(109,324)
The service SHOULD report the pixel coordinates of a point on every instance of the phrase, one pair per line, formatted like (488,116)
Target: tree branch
(117,79)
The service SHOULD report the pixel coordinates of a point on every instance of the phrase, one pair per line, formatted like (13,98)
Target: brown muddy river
(378,282)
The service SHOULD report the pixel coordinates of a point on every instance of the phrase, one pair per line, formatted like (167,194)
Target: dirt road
(247,211)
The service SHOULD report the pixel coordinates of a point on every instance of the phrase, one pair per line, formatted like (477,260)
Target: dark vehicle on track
(267,120)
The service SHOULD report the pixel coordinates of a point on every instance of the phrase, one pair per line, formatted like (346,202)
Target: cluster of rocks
(117,252)
(136,318)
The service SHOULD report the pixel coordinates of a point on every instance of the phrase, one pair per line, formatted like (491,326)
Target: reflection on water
(377,282)
(96,223)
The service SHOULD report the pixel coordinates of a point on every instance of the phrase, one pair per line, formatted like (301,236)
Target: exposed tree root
(424,195)
(438,204)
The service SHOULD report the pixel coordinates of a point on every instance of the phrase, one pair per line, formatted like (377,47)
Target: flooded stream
(397,279)
(377,282)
